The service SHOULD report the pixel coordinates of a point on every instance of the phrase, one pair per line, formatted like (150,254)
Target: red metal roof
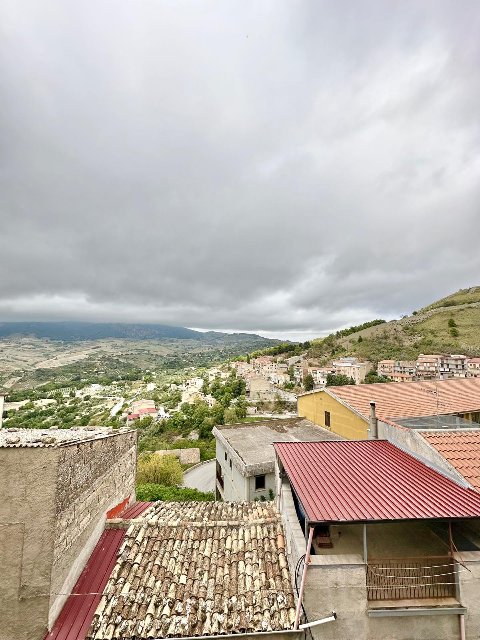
(77,613)
(370,480)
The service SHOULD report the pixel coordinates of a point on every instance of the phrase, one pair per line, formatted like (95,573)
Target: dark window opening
(327,418)
(259,483)
(230,464)
(225,455)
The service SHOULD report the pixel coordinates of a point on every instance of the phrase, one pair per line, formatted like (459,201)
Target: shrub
(165,470)
(452,323)
(151,492)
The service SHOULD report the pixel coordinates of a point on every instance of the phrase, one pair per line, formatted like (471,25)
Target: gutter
(293,634)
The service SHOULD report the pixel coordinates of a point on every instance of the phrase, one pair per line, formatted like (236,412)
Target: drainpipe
(373,431)
(304,576)
(462,627)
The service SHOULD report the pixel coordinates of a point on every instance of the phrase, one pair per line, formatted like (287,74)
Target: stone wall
(92,478)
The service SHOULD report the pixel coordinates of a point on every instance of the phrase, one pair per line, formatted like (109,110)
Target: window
(225,455)
(230,464)
(327,418)
(259,483)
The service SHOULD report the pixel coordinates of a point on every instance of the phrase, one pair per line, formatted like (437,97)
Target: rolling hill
(450,325)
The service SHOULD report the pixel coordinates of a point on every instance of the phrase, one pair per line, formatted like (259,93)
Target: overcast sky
(286,167)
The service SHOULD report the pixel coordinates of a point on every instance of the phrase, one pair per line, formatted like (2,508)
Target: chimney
(373,431)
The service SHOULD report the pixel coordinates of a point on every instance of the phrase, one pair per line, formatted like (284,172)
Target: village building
(245,458)
(389,544)
(260,389)
(352,368)
(346,410)
(57,488)
(140,409)
(473,367)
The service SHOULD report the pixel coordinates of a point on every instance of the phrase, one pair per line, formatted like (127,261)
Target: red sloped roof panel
(77,613)
(370,480)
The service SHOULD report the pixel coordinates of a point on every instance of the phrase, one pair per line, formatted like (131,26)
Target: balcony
(411,578)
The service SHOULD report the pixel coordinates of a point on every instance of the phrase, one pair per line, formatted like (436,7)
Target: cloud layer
(275,166)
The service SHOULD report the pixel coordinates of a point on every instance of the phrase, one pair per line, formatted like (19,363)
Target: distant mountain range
(77,331)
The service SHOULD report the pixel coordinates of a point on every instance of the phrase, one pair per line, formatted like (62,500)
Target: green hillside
(450,325)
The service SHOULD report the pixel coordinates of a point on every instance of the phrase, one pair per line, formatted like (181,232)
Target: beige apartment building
(352,368)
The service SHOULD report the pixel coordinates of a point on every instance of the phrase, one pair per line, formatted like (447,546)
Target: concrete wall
(238,486)
(235,484)
(343,420)
(412,442)
(27,524)
(469,590)
(53,503)
(92,478)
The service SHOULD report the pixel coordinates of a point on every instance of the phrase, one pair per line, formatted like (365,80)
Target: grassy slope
(425,332)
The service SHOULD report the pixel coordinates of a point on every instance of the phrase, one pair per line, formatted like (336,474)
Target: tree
(308,382)
(452,323)
(372,378)
(155,469)
(338,380)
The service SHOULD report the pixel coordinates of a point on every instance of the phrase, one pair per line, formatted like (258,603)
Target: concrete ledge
(414,611)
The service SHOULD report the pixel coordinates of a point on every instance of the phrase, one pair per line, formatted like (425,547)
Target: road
(201,478)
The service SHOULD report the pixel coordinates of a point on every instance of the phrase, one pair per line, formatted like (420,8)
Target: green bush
(165,470)
(150,492)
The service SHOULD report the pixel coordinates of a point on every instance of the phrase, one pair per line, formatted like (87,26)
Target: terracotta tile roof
(462,450)
(198,569)
(370,480)
(400,400)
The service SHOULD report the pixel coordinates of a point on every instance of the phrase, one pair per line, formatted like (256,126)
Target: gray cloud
(273,166)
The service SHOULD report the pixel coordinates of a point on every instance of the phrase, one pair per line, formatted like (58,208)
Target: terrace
(388,535)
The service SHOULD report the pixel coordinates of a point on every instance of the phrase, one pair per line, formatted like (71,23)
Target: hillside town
(358,515)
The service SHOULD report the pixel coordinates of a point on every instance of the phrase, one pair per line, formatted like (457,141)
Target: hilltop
(450,325)
(77,331)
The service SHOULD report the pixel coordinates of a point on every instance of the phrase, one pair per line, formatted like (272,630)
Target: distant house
(352,368)
(259,388)
(141,409)
(2,404)
(246,459)
(396,544)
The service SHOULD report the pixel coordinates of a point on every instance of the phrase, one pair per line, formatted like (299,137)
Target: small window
(327,418)
(230,464)
(259,483)
(225,455)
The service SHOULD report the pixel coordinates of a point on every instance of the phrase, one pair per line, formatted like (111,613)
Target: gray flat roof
(253,442)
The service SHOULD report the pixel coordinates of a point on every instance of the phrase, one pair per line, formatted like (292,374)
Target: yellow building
(346,410)
(326,410)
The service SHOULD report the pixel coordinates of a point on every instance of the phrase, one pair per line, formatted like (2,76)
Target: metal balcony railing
(411,578)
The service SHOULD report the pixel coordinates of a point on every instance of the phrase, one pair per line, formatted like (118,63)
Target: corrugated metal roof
(462,450)
(370,480)
(77,613)
(401,400)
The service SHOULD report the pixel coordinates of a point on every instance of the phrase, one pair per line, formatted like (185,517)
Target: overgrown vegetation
(153,492)
(163,470)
